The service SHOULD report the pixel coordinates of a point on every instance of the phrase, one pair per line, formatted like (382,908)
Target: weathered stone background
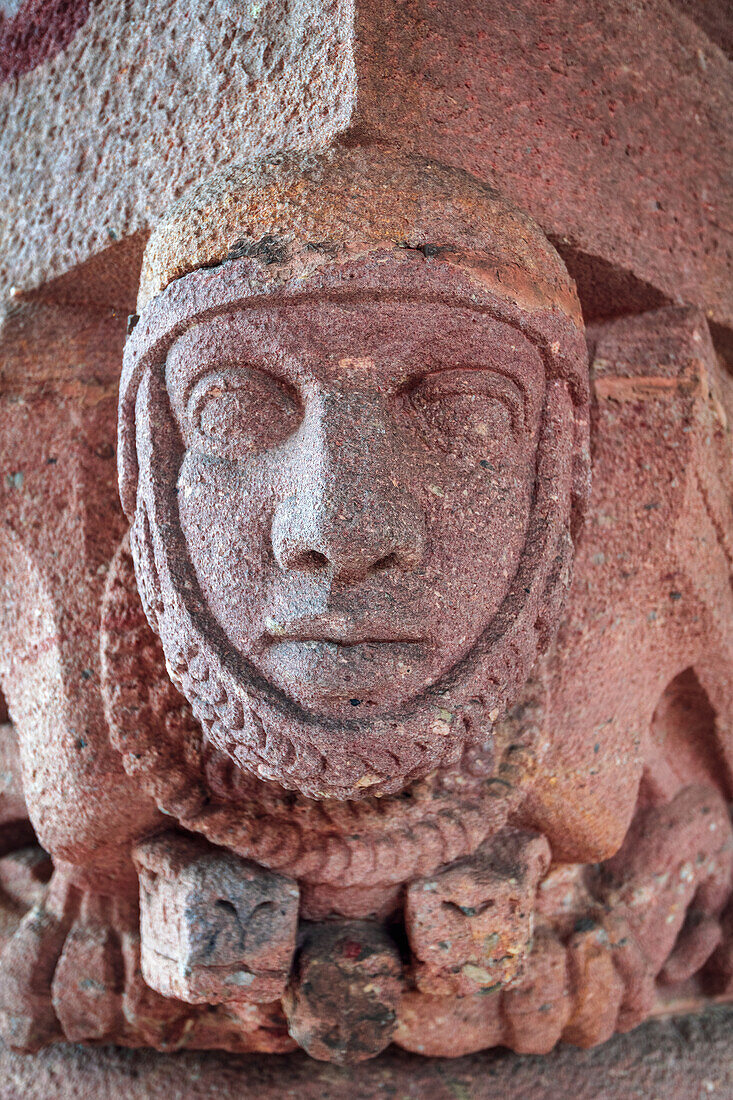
(610,122)
(663,1060)
(148,96)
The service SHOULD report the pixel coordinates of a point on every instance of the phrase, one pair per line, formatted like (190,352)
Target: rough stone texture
(354,452)
(58,396)
(586,117)
(597,956)
(712,16)
(655,552)
(620,776)
(676,1059)
(470,926)
(34,30)
(145,98)
(286,210)
(610,123)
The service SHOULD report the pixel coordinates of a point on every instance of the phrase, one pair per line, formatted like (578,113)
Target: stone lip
(681,1058)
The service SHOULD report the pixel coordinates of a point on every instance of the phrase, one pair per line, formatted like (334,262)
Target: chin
(331,749)
(351,696)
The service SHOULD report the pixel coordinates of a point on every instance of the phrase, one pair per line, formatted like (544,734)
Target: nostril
(311,560)
(387,562)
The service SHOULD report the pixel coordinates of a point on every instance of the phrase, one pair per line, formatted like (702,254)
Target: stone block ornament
(470,926)
(213,928)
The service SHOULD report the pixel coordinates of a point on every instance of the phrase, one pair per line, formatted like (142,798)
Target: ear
(146,572)
(127,466)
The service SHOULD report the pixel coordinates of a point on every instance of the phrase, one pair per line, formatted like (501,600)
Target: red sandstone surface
(35,30)
(390,703)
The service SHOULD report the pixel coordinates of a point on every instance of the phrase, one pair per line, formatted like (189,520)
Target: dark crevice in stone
(36,32)
(607,291)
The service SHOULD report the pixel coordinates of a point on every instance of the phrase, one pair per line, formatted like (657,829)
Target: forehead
(399,336)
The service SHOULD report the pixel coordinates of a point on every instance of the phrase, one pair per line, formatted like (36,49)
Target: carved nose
(352,538)
(347,513)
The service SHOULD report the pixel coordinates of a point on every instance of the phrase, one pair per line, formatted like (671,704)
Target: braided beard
(265,732)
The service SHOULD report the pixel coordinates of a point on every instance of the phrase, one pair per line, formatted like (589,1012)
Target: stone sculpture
(392,736)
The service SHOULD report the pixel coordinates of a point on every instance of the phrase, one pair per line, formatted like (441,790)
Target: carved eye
(468,410)
(236,413)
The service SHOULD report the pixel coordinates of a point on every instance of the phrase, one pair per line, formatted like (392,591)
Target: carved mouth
(337,631)
(330,660)
(327,672)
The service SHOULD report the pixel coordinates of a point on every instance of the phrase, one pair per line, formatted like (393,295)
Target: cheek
(223,520)
(478,513)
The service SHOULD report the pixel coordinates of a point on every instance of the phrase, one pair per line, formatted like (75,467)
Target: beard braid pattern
(265,732)
(349,843)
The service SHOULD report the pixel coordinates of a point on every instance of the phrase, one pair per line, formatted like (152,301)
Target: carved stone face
(354,488)
(352,509)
